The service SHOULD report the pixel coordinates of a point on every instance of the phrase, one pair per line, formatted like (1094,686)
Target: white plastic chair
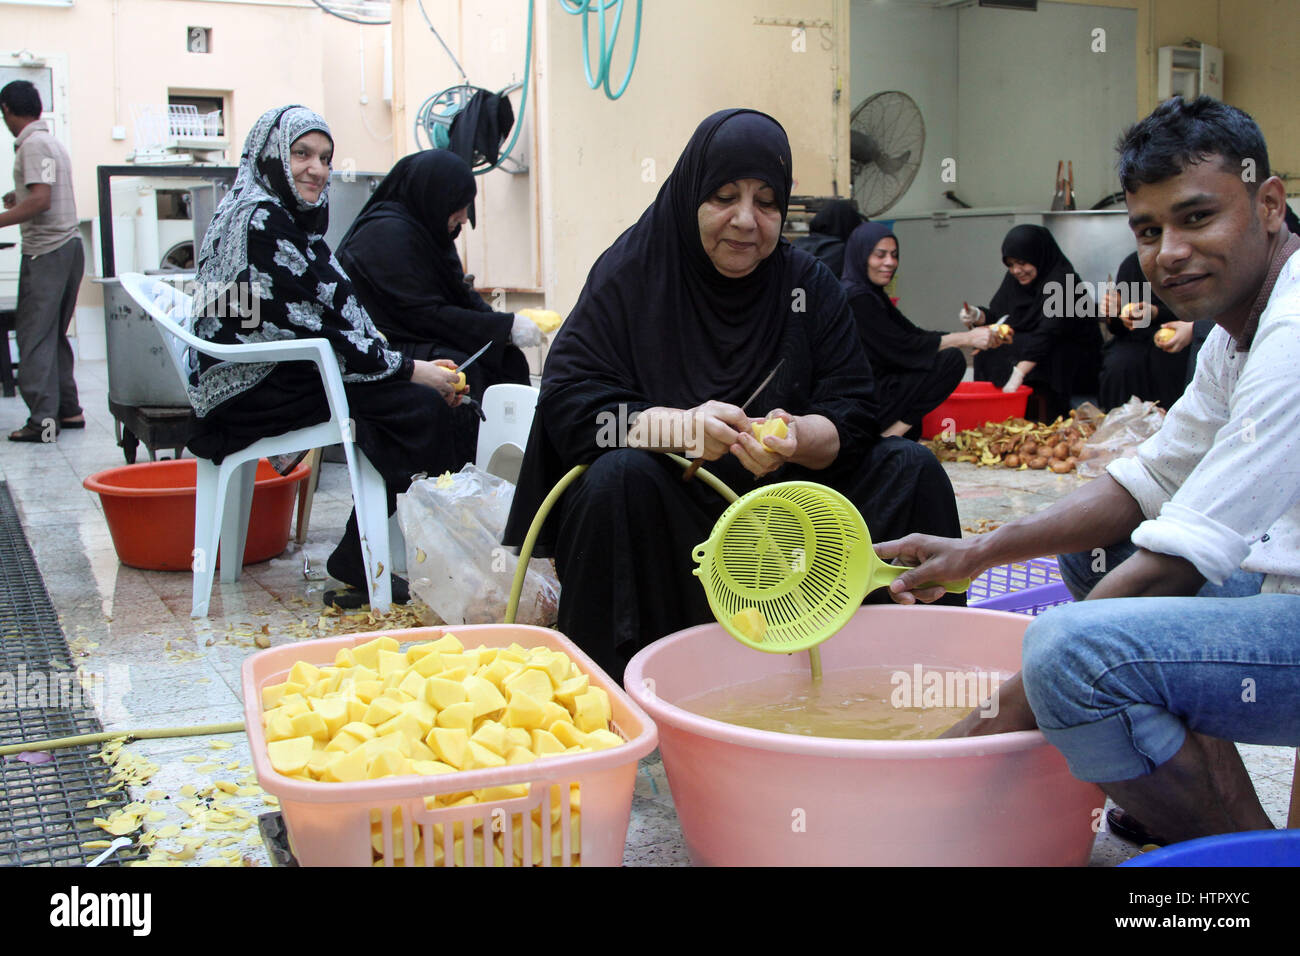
(504,436)
(225,492)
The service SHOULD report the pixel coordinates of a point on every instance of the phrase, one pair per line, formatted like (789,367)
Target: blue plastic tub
(1252,848)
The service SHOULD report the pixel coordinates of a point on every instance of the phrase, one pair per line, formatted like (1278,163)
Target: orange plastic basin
(150,512)
(973,404)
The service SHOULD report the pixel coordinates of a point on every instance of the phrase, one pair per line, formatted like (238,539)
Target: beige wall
(595,163)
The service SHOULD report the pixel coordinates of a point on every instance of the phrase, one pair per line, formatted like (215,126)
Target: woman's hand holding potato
(766,456)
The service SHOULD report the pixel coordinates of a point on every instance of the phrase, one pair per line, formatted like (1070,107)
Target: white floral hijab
(264,176)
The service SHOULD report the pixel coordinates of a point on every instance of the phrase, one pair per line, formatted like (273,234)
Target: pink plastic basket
(1026,587)
(328,824)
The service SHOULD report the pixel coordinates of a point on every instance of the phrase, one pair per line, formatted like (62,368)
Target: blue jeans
(1116,684)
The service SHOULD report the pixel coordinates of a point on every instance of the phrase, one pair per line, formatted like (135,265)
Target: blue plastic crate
(1025,587)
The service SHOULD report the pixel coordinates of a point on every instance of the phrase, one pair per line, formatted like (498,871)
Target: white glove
(1015,381)
(970,316)
(525,333)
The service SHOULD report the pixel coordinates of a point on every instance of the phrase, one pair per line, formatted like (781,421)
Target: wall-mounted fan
(366,12)
(886,140)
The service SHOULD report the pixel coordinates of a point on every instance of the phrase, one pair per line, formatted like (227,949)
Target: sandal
(352,599)
(72,423)
(1127,827)
(29,434)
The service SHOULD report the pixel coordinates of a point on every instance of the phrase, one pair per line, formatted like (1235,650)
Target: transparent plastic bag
(454,557)
(1119,435)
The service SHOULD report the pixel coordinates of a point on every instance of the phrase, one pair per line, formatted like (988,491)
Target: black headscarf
(861,243)
(1068,349)
(837,218)
(422,191)
(658,325)
(694,333)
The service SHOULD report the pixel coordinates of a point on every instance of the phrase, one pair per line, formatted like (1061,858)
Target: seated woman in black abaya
(1057,345)
(1131,362)
(403,263)
(915,370)
(679,322)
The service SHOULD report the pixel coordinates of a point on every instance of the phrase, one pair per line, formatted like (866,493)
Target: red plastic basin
(973,404)
(150,512)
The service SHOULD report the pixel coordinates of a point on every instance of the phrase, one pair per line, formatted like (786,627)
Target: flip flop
(1127,827)
(29,434)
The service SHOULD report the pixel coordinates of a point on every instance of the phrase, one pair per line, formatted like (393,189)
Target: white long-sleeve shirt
(1219,484)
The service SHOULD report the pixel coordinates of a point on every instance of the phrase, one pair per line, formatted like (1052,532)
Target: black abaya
(404,266)
(657,325)
(1064,340)
(914,375)
(1131,363)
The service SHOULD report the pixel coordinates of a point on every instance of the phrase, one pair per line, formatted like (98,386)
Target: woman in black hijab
(1131,363)
(1057,345)
(915,370)
(680,320)
(829,231)
(402,260)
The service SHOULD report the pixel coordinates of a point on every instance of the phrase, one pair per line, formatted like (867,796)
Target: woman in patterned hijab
(266,274)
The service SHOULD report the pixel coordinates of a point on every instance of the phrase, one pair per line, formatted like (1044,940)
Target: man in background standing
(53,262)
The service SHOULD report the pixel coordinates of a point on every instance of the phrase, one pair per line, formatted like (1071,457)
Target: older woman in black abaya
(680,320)
(403,263)
(1055,351)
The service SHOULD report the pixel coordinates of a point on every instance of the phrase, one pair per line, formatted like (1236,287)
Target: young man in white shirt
(1144,685)
(43,206)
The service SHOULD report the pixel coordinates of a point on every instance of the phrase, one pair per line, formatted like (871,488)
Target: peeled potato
(462,383)
(1005,332)
(546,320)
(769,428)
(751,623)
(1164,336)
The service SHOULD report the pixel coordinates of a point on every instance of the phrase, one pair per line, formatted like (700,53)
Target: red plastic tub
(150,512)
(972,405)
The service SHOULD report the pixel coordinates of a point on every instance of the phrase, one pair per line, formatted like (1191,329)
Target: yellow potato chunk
(279,727)
(589,713)
(290,756)
(272,695)
(442,693)
(480,756)
(349,768)
(535,683)
(491,735)
(387,763)
(751,623)
(429,665)
(524,711)
(310,724)
(570,689)
(770,428)
(448,644)
(484,696)
(545,742)
(304,673)
(391,662)
(451,744)
(382,709)
(603,739)
(457,715)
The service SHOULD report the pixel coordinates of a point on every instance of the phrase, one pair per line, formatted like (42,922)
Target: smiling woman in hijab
(1058,355)
(266,247)
(679,322)
(401,257)
(915,370)
(829,231)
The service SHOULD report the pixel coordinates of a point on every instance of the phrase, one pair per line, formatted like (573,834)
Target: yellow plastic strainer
(800,555)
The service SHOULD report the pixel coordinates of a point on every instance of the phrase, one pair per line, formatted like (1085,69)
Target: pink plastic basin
(756,798)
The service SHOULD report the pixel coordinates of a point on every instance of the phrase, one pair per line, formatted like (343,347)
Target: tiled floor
(162,669)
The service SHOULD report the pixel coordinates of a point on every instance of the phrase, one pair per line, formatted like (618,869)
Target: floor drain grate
(43,814)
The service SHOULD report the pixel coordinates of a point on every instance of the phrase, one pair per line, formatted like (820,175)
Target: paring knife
(689,473)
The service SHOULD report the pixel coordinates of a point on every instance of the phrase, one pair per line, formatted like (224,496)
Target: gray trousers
(47,297)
